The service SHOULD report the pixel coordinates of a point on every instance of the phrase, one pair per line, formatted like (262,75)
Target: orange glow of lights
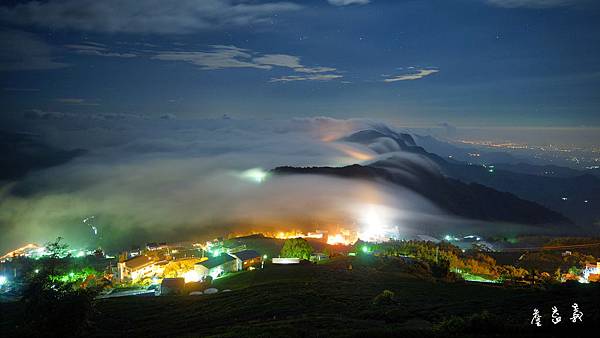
(296,234)
(336,239)
(342,237)
(329,138)
(352,151)
(20,251)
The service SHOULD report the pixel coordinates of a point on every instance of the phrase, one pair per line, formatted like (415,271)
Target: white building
(139,267)
(216,266)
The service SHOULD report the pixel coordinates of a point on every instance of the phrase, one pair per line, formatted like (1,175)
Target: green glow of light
(473,277)
(73,276)
(216,272)
(256,174)
(365,249)
(264,256)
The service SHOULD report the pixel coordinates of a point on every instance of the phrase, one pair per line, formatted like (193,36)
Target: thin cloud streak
(534,3)
(348,2)
(316,77)
(416,75)
(222,57)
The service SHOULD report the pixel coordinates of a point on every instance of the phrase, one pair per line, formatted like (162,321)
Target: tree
(58,305)
(557,275)
(178,268)
(575,270)
(54,262)
(296,248)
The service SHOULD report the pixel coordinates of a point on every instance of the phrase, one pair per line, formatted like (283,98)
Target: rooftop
(139,262)
(246,254)
(216,261)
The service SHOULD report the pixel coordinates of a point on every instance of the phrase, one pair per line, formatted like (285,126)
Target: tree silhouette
(54,306)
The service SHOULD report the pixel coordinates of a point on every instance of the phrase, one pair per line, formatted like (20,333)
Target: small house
(138,267)
(285,261)
(246,259)
(216,266)
(317,257)
(590,270)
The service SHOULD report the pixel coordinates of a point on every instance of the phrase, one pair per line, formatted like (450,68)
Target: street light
(262,264)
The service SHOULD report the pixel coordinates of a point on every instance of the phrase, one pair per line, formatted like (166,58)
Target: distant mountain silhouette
(567,195)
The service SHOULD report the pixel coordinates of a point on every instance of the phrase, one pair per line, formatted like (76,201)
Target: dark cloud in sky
(147,16)
(21,50)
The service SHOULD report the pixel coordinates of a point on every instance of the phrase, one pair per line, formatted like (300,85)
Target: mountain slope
(473,201)
(579,189)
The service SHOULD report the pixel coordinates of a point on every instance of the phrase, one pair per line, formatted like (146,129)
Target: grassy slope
(329,300)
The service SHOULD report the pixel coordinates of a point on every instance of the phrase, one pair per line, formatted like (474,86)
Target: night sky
(465,62)
(149,115)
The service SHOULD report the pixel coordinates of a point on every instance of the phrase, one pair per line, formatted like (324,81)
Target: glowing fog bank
(376,223)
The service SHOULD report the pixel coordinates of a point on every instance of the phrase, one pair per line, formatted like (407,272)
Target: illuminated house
(590,272)
(139,267)
(216,266)
(246,259)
